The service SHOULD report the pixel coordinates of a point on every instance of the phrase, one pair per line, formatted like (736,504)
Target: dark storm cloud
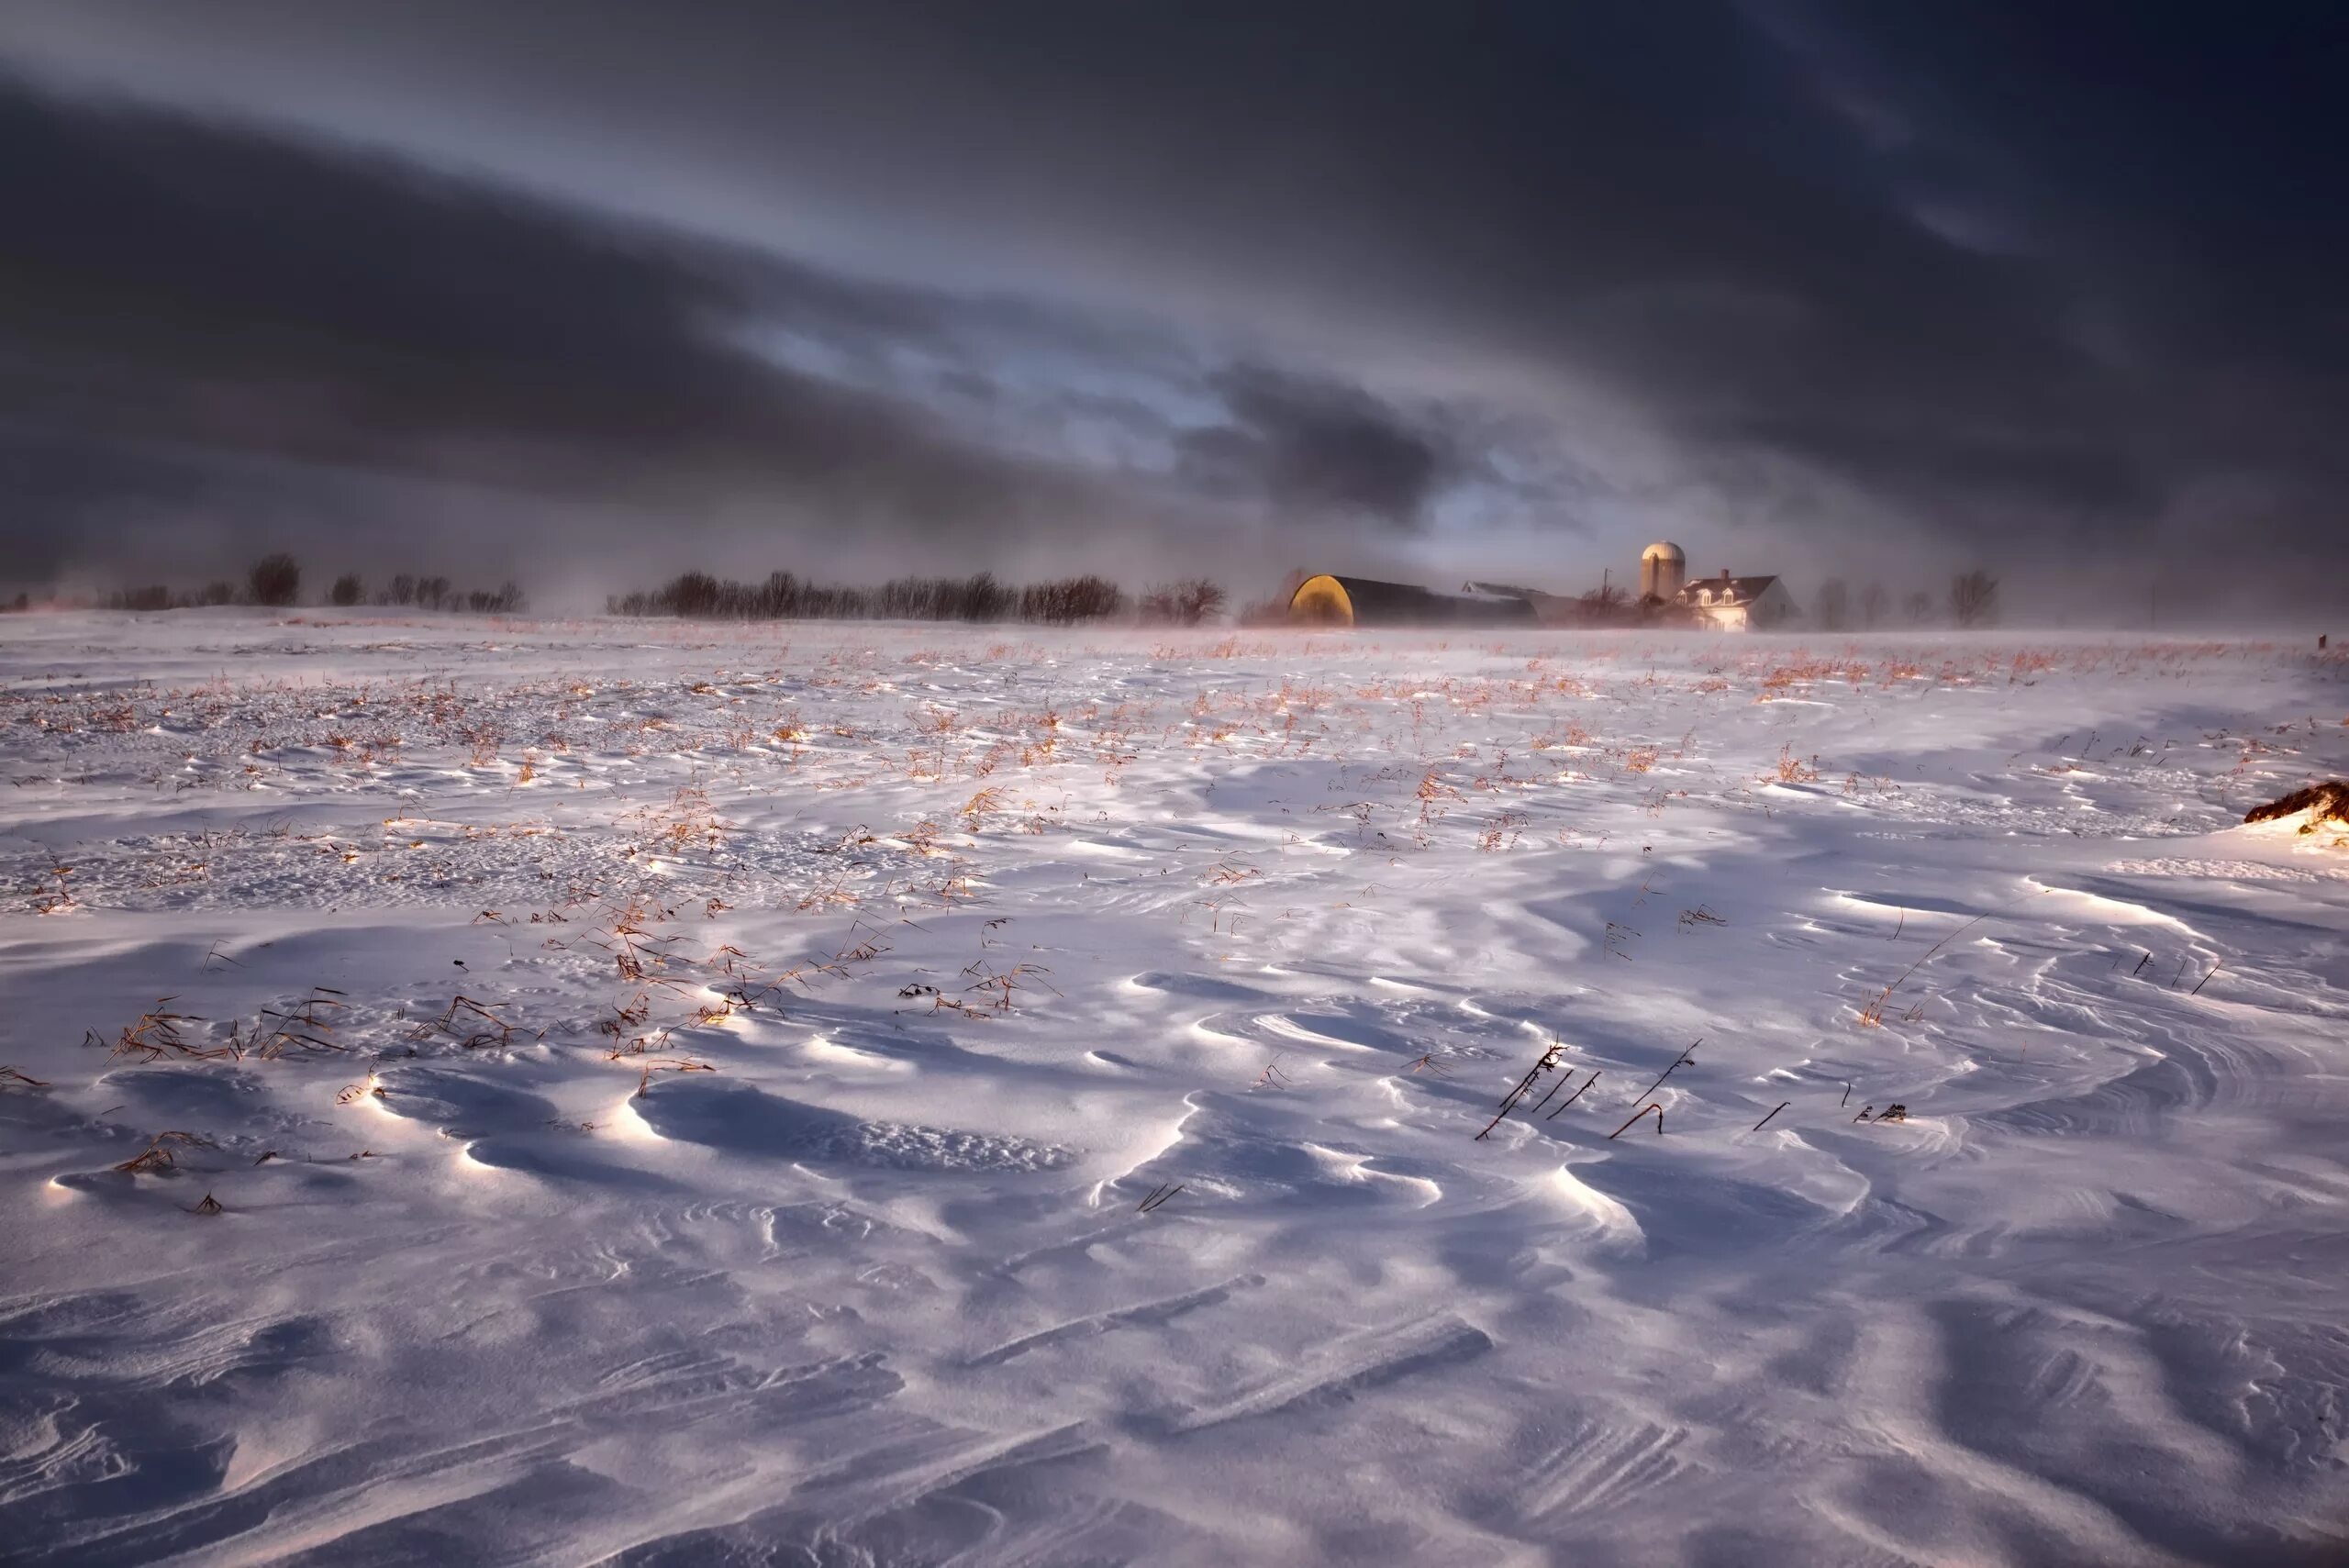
(1317,448)
(1980,278)
(173,287)
(203,318)
(2138,208)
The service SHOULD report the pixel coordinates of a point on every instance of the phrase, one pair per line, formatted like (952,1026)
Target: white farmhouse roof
(1723,590)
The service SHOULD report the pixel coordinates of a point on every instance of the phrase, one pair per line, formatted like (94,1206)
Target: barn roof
(1368,602)
(1505,591)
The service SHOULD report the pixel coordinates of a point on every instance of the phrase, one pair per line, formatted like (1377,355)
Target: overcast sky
(586,291)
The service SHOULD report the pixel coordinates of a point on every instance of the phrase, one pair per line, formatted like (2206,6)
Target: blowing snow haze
(589,291)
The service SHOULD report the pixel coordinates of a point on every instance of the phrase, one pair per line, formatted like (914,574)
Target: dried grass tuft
(161,1154)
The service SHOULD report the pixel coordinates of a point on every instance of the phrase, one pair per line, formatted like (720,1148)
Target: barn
(1328,600)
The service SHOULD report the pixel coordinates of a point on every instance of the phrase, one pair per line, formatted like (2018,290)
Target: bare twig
(1578,1093)
(1766,1121)
(1564,1079)
(1548,1063)
(1873,1014)
(1655,1106)
(1686,1057)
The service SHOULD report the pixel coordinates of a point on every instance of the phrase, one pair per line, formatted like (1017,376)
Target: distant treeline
(277,581)
(434,593)
(697,595)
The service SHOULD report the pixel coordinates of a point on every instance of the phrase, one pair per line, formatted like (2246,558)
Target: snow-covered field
(680,1094)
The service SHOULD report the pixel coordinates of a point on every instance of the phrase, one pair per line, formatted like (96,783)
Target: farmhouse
(1736,604)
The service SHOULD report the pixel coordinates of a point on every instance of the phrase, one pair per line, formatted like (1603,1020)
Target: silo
(1664,567)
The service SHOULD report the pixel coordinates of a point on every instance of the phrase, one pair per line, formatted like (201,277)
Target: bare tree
(1835,604)
(1921,607)
(1186,603)
(1974,598)
(348,590)
(1200,600)
(1067,600)
(1874,603)
(275,580)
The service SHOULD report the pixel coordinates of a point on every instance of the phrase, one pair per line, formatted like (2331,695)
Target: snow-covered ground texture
(898,1095)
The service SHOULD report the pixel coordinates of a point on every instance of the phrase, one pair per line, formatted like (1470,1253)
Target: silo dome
(1664,566)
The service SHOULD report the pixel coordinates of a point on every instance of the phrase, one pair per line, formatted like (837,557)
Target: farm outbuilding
(1330,600)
